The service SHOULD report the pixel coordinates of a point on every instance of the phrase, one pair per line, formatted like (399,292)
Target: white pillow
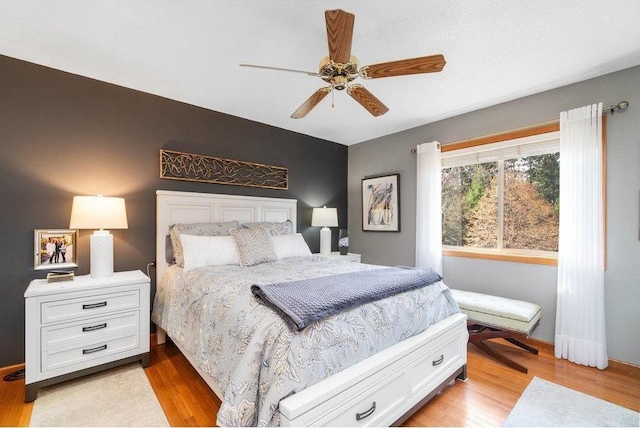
(200,251)
(292,245)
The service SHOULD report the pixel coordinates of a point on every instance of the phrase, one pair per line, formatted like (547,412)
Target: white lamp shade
(324,217)
(98,212)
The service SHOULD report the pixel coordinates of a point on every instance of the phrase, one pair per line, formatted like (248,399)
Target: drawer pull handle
(92,350)
(438,361)
(94,305)
(95,327)
(366,414)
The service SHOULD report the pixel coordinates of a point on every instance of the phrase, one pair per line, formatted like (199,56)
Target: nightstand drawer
(62,310)
(89,330)
(56,359)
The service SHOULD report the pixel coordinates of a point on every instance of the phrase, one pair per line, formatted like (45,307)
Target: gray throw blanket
(309,300)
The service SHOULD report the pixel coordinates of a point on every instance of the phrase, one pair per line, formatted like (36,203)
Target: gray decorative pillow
(284,228)
(254,246)
(199,229)
(168,251)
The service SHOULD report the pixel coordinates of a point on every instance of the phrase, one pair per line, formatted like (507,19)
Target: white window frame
(537,141)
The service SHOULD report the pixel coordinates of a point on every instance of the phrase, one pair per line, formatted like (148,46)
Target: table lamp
(325,218)
(99,212)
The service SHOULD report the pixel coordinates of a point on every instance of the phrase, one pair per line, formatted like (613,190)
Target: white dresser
(79,327)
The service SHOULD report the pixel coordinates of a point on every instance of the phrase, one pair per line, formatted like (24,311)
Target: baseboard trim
(540,344)
(623,366)
(617,365)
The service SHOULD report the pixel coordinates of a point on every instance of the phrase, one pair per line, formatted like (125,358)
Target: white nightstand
(79,327)
(350,257)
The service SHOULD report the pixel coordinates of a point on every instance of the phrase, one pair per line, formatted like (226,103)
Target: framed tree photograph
(55,249)
(381,203)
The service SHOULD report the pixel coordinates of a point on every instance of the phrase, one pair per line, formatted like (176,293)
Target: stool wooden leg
(508,361)
(479,333)
(522,345)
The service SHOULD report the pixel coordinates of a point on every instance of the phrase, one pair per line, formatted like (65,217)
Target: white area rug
(116,397)
(546,404)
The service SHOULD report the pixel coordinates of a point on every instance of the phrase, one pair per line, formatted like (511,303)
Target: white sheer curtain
(429,207)
(580,322)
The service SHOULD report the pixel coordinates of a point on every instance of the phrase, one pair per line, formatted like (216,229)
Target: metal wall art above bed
(209,169)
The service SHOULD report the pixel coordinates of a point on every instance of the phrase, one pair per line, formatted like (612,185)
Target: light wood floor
(485,400)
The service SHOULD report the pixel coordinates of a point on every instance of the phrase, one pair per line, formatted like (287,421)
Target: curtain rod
(622,105)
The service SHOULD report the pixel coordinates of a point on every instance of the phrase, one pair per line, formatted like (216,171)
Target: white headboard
(188,207)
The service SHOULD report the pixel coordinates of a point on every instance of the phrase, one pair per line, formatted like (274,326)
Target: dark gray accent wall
(63,135)
(535,283)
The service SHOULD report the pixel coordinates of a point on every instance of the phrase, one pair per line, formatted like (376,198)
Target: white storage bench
(490,317)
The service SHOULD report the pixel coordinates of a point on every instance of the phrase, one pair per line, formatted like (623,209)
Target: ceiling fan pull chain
(332,98)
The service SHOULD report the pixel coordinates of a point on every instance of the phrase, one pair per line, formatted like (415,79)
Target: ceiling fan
(340,68)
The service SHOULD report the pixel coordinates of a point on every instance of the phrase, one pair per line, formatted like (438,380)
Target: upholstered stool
(491,317)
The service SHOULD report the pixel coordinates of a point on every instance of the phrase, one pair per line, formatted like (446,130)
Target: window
(501,199)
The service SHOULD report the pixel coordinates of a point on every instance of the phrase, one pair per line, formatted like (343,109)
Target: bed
(368,366)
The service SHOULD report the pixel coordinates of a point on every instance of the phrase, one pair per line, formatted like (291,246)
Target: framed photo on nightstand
(55,249)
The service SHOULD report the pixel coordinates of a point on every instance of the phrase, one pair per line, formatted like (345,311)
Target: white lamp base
(325,241)
(101,254)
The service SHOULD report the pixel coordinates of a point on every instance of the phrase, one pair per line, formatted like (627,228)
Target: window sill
(534,257)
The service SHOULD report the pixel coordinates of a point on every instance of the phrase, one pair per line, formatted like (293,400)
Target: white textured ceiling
(189,50)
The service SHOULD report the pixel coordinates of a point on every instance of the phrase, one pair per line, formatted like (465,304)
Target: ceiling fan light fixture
(329,70)
(339,83)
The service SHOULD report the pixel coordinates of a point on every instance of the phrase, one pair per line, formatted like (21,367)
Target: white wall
(535,283)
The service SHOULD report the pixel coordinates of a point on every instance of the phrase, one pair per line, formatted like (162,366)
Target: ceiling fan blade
(403,67)
(313,101)
(367,100)
(310,73)
(339,34)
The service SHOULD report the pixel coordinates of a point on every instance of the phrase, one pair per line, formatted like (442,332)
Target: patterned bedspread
(256,358)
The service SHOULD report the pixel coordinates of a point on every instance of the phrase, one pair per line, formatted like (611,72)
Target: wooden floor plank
(484,400)
(13,410)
